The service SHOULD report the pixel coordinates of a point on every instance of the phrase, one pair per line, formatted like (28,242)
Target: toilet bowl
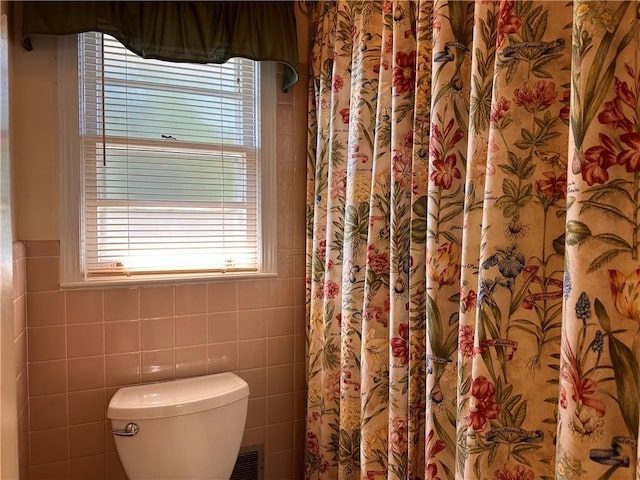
(188,429)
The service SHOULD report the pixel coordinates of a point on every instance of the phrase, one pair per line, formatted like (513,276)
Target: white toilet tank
(182,430)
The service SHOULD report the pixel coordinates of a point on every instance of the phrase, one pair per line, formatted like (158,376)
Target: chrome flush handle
(129,431)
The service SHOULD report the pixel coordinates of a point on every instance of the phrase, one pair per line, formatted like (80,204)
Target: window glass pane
(170,161)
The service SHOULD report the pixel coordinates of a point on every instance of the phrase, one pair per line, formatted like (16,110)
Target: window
(167,167)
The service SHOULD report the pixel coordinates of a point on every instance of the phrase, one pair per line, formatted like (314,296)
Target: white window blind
(170,163)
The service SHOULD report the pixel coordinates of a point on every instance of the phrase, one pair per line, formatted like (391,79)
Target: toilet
(188,429)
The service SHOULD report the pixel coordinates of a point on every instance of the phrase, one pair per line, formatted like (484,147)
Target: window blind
(170,162)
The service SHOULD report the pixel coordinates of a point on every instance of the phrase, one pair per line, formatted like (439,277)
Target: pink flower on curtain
(518,472)
(466,336)
(322,249)
(388,48)
(545,93)
(375,313)
(540,97)
(500,109)
(553,185)
(582,387)
(597,160)
(563,397)
(400,345)
(398,436)
(312,443)
(378,262)
(337,84)
(344,114)
(338,183)
(407,139)
(444,264)
(614,117)
(469,300)
(332,387)
(401,166)
(630,158)
(404,72)
(483,406)
(447,139)
(331,289)
(507,22)
(625,292)
(445,171)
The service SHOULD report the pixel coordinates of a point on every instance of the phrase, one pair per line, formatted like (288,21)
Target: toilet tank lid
(177,397)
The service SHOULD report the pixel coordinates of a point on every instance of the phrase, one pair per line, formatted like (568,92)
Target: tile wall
(20,324)
(83,344)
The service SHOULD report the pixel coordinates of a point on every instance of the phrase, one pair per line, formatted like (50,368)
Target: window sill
(163,279)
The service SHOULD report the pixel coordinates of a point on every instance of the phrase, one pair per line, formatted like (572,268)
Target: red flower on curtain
(500,109)
(437,446)
(540,97)
(338,83)
(469,301)
(313,449)
(344,114)
(398,436)
(400,345)
(597,160)
(519,472)
(507,22)
(553,185)
(582,387)
(338,183)
(445,171)
(563,397)
(623,91)
(483,406)
(404,72)
(322,249)
(331,289)
(630,158)
(401,165)
(378,262)
(431,472)
(465,340)
(332,387)
(614,117)
(447,139)
(375,313)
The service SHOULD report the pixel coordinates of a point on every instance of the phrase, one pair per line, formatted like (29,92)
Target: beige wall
(34,117)
(84,344)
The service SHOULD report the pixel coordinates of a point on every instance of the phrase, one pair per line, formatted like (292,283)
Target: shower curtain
(473,210)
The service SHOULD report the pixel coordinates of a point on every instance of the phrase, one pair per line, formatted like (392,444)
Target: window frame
(71,205)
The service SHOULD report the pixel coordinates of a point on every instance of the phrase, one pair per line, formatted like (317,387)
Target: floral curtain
(473,217)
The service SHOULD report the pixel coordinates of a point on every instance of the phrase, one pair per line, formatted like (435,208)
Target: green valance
(197,32)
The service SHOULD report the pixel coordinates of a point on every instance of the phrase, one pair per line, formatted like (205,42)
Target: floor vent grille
(250,464)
